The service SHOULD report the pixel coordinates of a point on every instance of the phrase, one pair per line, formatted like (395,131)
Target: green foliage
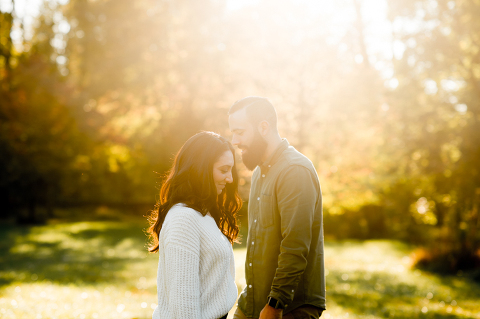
(439,106)
(424,174)
(46,159)
(38,136)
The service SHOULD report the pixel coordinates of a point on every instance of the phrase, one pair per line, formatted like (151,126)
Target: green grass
(77,270)
(375,279)
(100,269)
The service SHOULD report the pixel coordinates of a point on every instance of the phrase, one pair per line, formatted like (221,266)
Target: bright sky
(340,15)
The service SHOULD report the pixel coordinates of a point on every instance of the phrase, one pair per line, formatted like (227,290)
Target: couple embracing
(194,225)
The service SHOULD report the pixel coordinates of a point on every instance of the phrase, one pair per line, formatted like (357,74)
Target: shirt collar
(272,159)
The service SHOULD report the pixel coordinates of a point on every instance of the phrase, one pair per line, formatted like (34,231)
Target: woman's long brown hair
(190,181)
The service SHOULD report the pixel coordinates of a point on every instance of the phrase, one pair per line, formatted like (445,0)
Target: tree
(438,103)
(38,136)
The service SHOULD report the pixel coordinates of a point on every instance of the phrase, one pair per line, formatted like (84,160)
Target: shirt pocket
(267,210)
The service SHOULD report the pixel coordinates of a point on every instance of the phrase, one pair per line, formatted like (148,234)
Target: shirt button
(258,198)
(263,175)
(293,290)
(249,286)
(250,264)
(269,165)
(255,221)
(253,242)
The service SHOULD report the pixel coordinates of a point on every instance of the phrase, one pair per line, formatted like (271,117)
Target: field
(100,269)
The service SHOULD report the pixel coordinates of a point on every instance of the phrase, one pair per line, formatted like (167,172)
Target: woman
(193,227)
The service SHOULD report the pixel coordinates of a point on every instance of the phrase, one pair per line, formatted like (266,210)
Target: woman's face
(222,171)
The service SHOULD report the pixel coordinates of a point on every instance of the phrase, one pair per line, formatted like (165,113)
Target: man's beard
(252,155)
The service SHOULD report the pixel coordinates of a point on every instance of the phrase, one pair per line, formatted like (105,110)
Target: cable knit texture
(196,269)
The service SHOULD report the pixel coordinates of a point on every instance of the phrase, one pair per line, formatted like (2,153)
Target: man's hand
(271,313)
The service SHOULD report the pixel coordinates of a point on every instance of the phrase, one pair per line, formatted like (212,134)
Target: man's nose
(235,140)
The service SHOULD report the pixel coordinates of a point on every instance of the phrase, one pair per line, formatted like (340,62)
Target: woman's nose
(229,178)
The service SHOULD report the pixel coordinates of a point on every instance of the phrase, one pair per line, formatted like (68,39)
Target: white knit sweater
(196,270)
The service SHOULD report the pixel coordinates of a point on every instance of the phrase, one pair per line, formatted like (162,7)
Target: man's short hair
(257,108)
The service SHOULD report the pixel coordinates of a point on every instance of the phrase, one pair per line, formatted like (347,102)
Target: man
(284,267)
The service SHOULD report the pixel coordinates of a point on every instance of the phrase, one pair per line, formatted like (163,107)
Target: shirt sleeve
(297,196)
(182,262)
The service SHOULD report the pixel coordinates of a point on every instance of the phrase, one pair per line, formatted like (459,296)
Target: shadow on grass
(75,253)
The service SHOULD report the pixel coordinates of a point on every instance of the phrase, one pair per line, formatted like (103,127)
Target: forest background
(96,96)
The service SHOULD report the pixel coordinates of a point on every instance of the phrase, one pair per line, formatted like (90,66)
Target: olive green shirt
(285,258)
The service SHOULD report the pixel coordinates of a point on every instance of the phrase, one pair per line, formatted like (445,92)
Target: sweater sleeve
(182,260)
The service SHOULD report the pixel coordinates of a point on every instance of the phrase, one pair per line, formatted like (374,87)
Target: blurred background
(383,96)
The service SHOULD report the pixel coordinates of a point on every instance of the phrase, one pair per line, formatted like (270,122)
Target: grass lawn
(100,269)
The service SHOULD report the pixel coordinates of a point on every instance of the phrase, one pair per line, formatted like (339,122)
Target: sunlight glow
(430,87)
(398,49)
(392,83)
(461,108)
(334,19)
(233,5)
(450,85)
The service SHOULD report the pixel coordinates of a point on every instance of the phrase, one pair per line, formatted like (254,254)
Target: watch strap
(274,303)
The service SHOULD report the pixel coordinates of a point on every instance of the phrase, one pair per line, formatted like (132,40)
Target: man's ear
(263,128)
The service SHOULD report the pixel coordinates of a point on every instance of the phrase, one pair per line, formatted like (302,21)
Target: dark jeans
(303,312)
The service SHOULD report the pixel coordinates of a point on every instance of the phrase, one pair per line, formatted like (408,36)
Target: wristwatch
(274,303)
